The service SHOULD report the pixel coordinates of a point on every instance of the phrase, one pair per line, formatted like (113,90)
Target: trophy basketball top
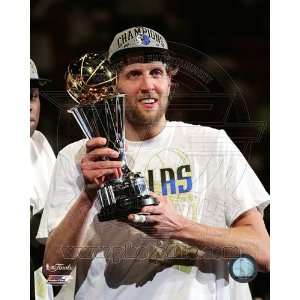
(90,79)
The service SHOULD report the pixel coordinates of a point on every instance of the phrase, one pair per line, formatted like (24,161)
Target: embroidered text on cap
(137,37)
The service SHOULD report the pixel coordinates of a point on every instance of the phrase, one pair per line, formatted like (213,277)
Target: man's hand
(96,165)
(162,221)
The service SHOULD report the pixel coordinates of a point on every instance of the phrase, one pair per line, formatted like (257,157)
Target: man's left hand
(162,220)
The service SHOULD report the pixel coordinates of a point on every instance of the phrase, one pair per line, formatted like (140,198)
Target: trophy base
(120,212)
(120,197)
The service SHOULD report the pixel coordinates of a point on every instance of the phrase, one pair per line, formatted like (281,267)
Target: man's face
(34,109)
(147,88)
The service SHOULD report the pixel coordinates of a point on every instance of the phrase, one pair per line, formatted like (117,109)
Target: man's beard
(137,118)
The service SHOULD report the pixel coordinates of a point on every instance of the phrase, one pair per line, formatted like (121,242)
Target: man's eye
(133,74)
(34,97)
(156,72)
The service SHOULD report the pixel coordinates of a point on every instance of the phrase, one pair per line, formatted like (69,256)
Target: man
(41,153)
(42,163)
(209,198)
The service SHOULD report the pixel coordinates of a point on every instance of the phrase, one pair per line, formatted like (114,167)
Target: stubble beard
(140,119)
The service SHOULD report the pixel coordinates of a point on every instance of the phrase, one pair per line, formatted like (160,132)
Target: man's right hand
(96,165)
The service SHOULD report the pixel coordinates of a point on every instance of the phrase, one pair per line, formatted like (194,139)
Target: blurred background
(230,39)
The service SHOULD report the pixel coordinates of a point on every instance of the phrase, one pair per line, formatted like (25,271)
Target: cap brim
(147,54)
(37,83)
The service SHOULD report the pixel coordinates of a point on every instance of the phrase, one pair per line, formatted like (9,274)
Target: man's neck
(143,132)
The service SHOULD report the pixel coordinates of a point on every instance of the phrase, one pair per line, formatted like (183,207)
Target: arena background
(234,33)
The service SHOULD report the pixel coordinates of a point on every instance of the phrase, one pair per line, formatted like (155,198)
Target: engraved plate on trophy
(100,112)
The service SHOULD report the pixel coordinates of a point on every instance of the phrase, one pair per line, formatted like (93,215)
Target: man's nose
(147,83)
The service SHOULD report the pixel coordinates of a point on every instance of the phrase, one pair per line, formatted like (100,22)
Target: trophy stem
(82,121)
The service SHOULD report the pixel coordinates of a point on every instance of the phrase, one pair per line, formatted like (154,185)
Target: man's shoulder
(38,137)
(73,149)
(40,144)
(188,129)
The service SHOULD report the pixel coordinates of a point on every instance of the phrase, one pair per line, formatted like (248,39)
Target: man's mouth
(148,100)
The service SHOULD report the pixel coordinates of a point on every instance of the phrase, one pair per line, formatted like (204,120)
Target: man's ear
(169,80)
(171,73)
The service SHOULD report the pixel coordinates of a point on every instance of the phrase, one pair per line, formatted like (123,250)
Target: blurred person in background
(42,159)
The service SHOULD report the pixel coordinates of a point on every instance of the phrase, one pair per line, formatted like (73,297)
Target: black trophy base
(115,211)
(120,197)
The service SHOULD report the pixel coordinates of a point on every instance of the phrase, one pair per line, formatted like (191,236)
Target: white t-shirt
(208,180)
(42,163)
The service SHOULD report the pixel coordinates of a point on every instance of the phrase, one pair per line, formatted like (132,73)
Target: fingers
(152,219)
(138,218)
(141,219)
(99,164)
(98,171)
(97,176)
(151,209)
(118,172)
(155,209)
(103,164)
(149,224)
(161,199)
(97,142)
(100,154)
(97,147)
